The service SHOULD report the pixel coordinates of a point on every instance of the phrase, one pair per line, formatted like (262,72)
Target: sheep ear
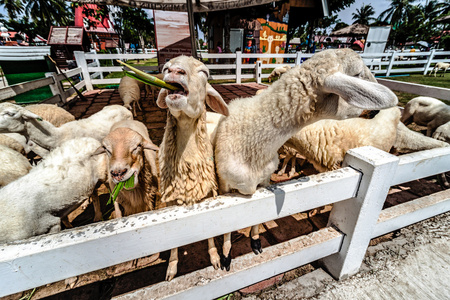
(29,115)
(360,93)
(99,150)
(215,101)
(161,101)
(149,145)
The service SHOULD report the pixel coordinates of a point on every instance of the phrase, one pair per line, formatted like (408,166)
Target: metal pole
(191,27)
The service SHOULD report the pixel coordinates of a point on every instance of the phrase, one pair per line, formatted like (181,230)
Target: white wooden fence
(9,53)
(230,66)
(358,192)
(53,80)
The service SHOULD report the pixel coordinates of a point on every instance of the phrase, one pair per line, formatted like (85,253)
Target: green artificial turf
(33,96)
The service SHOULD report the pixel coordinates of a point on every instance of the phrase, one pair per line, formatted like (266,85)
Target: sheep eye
(10,113)
(137,148)
(107,151)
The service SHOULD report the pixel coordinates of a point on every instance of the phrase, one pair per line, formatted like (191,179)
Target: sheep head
(13,117)
(125,148)
(191,77)
(341,79)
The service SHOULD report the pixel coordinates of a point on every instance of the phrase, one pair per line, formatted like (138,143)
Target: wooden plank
(245,270)
(90,55)
(422,164)
(70,73)
(413,88)
(106,81)
(56,99)
(17,89)
(20,58)
(402,215)
(90,247)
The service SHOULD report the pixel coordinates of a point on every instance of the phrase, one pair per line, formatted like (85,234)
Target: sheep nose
(118,174)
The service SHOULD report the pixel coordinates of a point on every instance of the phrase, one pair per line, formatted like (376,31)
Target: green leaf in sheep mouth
(147,78)
(128,184)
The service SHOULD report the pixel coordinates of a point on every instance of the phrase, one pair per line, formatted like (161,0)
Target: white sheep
(186,154)
(442,133)
(247,141)
(278,71)
(51,113)
(440,66)
(426,111)
(131,152)
(33,204)
(13,165)
(324,143)
(12,143)
(411,141)
(16,119)
(130,93)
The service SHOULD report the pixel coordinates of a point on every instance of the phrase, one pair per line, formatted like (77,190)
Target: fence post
(298,59)
(356,217)
(97,61)
(56,87)
(258,71)
(391,63)
(238,66)
(430,58)
(81,62)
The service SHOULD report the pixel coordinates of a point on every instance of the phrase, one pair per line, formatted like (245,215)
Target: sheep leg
(213,255)
(134,109)
(117,211)
(66,222)
(287,158)
(255,241)
(442,180)
(97,208)
(172,267)
(293,160)
(225,259)
(138,105)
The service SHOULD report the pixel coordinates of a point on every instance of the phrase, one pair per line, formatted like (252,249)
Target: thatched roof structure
(352,30)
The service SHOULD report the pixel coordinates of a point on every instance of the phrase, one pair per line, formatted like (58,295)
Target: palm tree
(12,7)
(47,12)
(364,15)
(396,12)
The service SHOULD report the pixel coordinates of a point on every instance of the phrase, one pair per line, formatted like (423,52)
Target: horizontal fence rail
(53,80)
(363,184)
(235,66)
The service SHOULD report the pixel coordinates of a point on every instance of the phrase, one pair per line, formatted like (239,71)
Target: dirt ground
(412,263)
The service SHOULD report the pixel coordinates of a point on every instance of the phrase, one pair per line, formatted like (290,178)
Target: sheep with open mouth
(186,154)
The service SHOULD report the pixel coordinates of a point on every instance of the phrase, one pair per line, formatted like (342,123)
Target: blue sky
(378,5)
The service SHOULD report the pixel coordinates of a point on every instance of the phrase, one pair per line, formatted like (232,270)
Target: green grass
(403,98)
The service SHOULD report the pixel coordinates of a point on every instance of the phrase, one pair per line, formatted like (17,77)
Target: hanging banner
(172,35)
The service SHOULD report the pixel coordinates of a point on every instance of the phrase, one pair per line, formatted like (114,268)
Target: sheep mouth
(125,177)
(181,89)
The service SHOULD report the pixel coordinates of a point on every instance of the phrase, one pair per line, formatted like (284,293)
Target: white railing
(358,192)
(53,80)
(9,53)
(231,66)
(82,61)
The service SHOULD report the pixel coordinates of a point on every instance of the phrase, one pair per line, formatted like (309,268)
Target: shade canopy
(352,30)
(181,5)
